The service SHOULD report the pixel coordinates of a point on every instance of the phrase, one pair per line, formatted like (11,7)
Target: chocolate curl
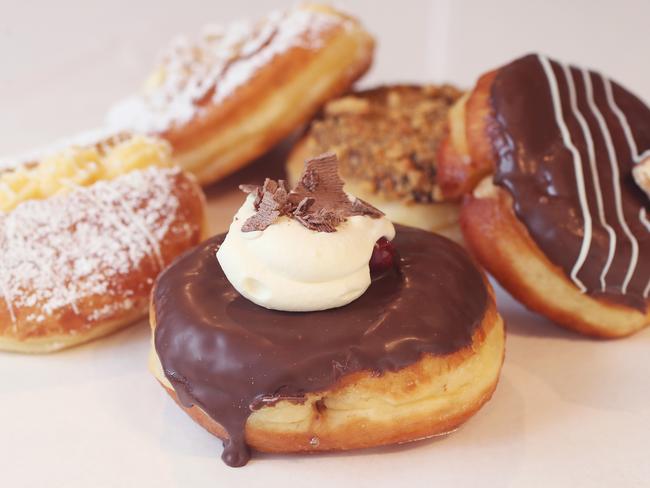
(318,201)
(271,201)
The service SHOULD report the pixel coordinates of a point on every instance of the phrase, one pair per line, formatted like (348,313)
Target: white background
(568,411)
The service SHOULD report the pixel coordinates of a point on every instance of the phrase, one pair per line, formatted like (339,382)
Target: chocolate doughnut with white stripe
(550,158)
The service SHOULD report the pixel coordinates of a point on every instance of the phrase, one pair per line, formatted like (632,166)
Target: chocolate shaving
(361,207)
(271,201)
(321,221)
(318,201)
(304,205)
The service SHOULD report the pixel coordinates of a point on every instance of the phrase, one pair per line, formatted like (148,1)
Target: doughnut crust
(496,234)
(230,96)
(80,265)
(387,140)
(431,397)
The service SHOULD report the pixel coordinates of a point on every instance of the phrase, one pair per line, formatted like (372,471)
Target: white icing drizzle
(599,197)
(616,182)
(592,162)
(86,240)
(42,263)
(627,130)
(146,233)
(108,210)
(614,165)
(195,75)
(634,152)
(577,164)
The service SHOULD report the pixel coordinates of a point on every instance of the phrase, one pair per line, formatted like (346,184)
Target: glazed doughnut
(80,264)
(228,97)
(551,158)
(314,324)
(387,141)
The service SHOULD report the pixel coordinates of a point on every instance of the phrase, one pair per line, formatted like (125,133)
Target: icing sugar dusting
(194,75)
(59,251)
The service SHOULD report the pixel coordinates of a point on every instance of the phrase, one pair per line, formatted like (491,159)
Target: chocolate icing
(318,201)
(229,356)
(537,166)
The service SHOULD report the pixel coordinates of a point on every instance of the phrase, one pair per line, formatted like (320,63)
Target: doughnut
(415,355)
(367,374)
(81,263)
(387,139)
(232,94)
(552,161)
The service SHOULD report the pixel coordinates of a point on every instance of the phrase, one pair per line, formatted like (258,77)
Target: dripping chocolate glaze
(227,355)
(537,167)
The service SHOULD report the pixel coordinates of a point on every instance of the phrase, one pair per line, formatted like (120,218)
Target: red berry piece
(383,256)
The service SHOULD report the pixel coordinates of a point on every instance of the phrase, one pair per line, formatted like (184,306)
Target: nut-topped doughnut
(314,325)
(388,139)
(230,95)
(560,213)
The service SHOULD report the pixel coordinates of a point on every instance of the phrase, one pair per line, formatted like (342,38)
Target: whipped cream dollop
(290,267)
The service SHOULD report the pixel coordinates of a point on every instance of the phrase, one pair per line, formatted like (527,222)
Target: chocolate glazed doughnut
(333,379)
(560,144)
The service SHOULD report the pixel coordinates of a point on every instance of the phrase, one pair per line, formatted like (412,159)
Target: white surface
(568,411)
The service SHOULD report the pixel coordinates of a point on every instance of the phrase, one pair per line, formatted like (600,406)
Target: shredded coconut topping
(67,248)
(195,75)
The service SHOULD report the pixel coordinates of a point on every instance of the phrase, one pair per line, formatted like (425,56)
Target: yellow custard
(81,166)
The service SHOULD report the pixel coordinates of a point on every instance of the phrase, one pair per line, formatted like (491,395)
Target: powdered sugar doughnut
(230,95)
(80,264)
